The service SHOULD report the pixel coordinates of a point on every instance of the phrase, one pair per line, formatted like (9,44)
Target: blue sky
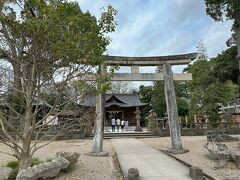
(161,27)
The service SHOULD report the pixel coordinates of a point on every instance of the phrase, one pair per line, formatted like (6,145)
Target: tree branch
(10,126)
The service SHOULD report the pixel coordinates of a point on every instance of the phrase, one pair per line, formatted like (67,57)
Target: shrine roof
(121,100)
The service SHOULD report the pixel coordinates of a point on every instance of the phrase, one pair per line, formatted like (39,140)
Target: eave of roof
(128,100)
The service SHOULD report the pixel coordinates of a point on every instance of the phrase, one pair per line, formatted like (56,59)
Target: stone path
(152,164)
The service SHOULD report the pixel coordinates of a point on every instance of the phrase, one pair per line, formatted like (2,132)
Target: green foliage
(155,97)
(217,9)
(213,83)
(225,66)
(145,95)
(158,99)
(183,106)
(106,20)
(181,89)
(58,32)
(229,9)
(48,41)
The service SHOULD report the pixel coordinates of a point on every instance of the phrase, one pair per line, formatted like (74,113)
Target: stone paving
(152,164)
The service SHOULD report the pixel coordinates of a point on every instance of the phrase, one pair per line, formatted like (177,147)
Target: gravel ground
(197,156)
(87,167)
(98,168)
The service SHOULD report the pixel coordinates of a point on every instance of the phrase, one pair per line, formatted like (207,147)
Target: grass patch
(35,161)
(15,165)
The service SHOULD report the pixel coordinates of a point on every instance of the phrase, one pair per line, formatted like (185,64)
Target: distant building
(122,106)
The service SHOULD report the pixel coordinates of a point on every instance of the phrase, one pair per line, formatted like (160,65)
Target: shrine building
(122,106)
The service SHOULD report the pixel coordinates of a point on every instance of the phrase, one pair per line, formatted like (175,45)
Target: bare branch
(2,152)
(10,126)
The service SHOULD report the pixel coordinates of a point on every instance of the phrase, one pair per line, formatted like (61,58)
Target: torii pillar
(172,111)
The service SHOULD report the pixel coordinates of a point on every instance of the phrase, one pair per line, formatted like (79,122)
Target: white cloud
(151,27)
(216,36)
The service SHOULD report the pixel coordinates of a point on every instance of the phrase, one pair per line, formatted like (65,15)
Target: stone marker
(71,157)
(133,174)
(196,173)
(44,170)
(5,172)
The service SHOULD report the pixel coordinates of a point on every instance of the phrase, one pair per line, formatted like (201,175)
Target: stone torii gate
(135,62)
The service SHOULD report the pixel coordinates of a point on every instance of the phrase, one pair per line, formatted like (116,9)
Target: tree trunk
(98,137)
(15,94)
(103,111)
(172,110)
(17,85)
(25,155)
(24,160)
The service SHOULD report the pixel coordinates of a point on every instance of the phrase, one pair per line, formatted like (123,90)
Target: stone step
(128,132)
(127,135)
(121,137)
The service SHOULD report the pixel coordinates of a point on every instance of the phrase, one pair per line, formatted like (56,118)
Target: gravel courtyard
(87,168)
(99,168)
(197,156)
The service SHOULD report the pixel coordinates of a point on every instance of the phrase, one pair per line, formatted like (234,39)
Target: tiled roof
(121,100)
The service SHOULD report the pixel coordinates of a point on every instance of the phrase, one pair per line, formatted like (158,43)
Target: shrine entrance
(113,115)
(166,62)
